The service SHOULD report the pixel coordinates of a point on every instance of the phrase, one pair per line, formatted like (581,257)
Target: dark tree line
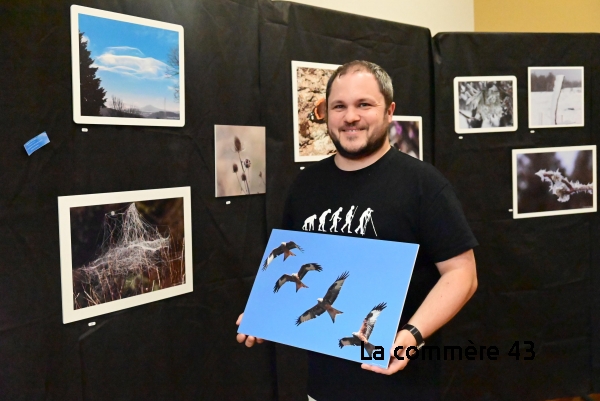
(92,94)
(545,83)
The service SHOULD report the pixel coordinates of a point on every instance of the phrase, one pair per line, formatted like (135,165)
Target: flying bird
(297,277)
(285,248)
(324,304)
(365,330)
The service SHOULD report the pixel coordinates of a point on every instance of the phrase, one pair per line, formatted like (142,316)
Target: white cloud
(138,67)
(124,51)
(85,39)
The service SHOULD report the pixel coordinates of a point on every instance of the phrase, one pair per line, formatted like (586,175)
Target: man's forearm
(454,288)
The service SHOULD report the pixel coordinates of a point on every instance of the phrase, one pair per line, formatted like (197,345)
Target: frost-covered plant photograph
(309,83)
(240,160)
(485,104)
(119,251)
(405,135)
(554,181)
(126,70)
(556,97)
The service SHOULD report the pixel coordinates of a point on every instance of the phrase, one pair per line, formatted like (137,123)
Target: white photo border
(529,71)
(418,119)
(295,65)
(77,117)
(65,203)
(517,152)
(459,130)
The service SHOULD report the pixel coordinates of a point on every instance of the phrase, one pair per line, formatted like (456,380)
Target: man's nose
(351,115)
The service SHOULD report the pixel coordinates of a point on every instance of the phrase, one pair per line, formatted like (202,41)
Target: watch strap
(416,334)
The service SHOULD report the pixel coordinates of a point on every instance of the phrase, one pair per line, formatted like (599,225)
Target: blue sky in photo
(132,60)
(379,271)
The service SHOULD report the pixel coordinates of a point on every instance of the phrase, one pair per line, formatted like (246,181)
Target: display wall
(537,277)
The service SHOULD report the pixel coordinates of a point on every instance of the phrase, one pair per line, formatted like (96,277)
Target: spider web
(134,258)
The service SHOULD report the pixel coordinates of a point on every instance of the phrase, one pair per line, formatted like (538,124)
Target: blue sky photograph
(132,62)
(378,271)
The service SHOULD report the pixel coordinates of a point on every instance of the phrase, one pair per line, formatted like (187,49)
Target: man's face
(357,118)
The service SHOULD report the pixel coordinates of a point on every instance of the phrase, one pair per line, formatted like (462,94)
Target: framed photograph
(126,70)
(309,297)
(309,83)
(123,249)
(485,104)
(240,161)
(405,135)
(555,97)
(554,181)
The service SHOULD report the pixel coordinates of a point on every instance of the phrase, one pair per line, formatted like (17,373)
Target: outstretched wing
(274,253)
(348,341)
(282,280)
(308,267)
(310,314)
(291,245)
(369,323)
(334,289)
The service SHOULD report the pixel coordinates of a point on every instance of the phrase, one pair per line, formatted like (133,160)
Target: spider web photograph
(126,249)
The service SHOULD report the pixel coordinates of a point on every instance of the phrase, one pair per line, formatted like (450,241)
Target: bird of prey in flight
(324,304)
(365,330)
(285,248)
(297,277)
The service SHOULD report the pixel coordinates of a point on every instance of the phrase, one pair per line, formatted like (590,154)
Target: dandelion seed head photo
(240,162)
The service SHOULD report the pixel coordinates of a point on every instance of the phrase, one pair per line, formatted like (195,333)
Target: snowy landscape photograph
(556,97)
(126,70)
(123,249)
(554,181)
(485,104)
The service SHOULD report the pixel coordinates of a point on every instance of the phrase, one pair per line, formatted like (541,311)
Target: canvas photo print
(554,181)
(310,294)
(309,83)
(126,70)
(123,249)
(485,104)
(405,135)
(556,97)
(240,160)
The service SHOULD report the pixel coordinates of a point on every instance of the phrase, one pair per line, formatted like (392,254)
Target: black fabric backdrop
(535,275)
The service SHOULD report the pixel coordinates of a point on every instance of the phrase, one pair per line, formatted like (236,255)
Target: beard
(374,143)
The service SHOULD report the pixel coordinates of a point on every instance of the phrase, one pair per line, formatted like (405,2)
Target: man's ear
(390,111)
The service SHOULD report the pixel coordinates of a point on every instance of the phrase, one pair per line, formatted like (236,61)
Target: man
(414,203)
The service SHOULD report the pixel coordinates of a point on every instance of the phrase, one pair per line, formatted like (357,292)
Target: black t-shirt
(398,198)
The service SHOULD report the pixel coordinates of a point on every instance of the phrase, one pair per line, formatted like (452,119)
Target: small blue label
(34,144)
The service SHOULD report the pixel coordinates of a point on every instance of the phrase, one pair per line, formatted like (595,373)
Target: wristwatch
(416,333)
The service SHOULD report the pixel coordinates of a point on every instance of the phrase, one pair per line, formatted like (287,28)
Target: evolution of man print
(365,222)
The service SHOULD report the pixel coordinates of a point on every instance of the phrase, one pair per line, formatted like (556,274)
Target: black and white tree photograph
(556,97)
(554,181)
(116,254)
(485,104)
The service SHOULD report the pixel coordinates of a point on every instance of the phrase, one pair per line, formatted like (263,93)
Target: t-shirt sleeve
(444,230)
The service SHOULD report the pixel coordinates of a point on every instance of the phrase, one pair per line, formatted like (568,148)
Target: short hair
(383,79)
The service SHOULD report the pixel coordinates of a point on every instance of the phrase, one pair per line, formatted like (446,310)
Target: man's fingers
(259,340)
(240,338)
(239,319)
(250,341)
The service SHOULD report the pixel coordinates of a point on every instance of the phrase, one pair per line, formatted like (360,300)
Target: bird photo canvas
(337,295)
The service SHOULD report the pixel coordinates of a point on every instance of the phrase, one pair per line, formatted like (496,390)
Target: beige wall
(437,15)
(537,15)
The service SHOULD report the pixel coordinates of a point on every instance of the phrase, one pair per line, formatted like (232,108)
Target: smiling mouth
(352,130)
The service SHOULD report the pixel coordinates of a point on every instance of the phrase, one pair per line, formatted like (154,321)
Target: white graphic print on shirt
(362,227)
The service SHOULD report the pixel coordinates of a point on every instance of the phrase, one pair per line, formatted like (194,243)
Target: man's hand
(404,339)
(248,340)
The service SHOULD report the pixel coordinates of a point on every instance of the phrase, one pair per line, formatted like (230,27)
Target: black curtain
(535,275)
